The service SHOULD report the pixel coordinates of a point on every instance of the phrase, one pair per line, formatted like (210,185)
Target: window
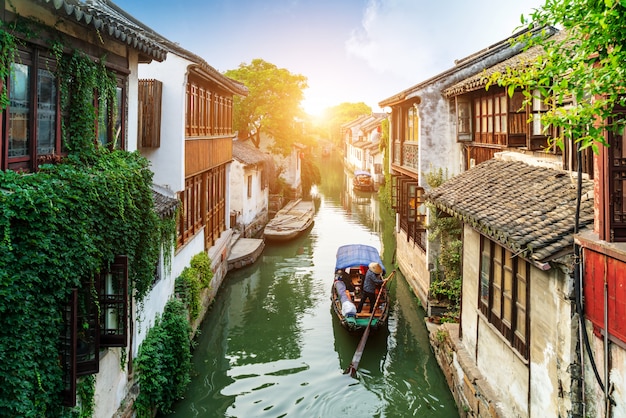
(408,198)
(208,113)
(31,129)
(464,119)
(92,324)
(113,302)
(249,187)
(503,296)
(203,206)
(411,129)
(490,118)
(32,117)
(110,123)
(616,178)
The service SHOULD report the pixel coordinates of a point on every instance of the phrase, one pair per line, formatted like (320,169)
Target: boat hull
(363,182)
(296,218)
(358,322)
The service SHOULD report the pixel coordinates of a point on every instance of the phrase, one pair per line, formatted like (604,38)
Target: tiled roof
(248,154)
(111,21)
(164,206)
(479,81)
(528,209)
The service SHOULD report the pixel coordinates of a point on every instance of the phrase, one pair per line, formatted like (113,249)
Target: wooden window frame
(114,124)
(409,198)
(35,60)
(113,297)
(203,206)
(497,265)
(614,199)
(88,329)
(490,117)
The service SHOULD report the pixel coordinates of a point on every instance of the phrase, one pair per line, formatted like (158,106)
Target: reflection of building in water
(362,206)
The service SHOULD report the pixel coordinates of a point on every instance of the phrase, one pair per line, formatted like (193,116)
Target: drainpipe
(578,296)
(607,403)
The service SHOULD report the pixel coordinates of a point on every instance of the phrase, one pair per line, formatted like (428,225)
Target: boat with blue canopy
(351,265)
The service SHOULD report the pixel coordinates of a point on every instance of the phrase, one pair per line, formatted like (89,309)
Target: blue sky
(349,50)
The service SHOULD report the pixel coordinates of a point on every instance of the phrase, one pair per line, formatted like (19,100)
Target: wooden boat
(350,268)
(291,221)
(363,181)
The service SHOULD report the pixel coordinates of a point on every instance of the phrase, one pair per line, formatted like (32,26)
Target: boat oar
(356,359)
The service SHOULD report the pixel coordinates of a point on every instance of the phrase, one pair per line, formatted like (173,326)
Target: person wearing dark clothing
(373,278)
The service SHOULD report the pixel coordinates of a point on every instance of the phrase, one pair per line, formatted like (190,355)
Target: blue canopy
(357,255)
(362,173)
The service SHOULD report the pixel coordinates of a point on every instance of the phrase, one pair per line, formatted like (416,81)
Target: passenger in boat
(344,276)
(347,306)
(373,278)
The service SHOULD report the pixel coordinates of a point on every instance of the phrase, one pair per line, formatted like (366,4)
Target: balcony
(405,155)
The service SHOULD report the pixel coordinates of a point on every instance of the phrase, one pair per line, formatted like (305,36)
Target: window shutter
(114,304)
(150,93)
(68,351)
(88,330)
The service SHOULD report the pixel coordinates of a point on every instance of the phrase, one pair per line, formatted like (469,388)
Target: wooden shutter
(150,93)
(88,330)
(68,351)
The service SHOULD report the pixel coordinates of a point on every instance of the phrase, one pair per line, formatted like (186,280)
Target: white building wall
(168,160)
(528,388)
(237,184)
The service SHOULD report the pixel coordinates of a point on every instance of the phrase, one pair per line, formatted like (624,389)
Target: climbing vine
(164,361)
(445,284)
(61,226)
(8,50)
(85,391)
(192,280)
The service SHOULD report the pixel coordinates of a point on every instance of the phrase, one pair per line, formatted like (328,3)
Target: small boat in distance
(363,181)
(350,267)
(291,221)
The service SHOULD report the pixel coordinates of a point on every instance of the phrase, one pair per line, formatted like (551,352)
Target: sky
(349,50)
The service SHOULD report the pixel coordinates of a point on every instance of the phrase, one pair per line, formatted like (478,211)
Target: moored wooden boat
(291,221)
(350,267)
(363,181)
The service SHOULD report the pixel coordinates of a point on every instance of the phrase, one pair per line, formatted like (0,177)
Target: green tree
(272,106)
(586,65)
(336,116)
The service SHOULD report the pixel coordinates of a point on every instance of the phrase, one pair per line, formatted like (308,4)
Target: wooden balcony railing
(405,154)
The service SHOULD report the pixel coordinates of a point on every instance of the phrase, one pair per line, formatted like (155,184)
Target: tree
(272,106)
(340,114)
(581,76)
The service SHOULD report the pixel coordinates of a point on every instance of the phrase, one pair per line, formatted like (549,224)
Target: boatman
(373,278)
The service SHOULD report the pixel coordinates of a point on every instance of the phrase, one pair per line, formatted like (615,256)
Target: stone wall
(473,395)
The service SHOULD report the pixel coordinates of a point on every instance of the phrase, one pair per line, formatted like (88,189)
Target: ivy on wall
(188,286)
(60,226)
(446,280)
(164,361)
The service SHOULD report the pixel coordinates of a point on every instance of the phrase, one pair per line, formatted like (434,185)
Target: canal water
(270,346)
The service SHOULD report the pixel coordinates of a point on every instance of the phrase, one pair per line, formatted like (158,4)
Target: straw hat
(375,267)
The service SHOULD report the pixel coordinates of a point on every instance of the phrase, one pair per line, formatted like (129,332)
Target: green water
(270,346)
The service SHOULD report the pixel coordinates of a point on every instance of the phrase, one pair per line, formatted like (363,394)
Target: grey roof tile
(248,154)
(164,205)
(527,209)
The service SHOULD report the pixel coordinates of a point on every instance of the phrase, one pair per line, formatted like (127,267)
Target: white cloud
(417,39)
